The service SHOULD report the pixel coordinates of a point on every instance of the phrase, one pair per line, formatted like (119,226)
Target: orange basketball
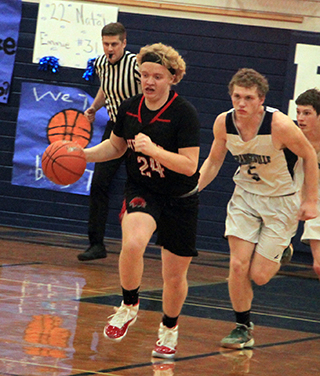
(64,162)
(69,125)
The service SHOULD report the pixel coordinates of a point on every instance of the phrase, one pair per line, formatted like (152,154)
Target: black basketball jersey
(173,126)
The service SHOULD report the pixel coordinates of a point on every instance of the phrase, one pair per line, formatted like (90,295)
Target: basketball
(69,125)
(63,162)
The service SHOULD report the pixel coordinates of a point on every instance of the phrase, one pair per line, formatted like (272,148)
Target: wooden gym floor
(53,309)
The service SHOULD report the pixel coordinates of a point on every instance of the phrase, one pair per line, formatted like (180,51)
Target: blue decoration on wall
(32,133)
(50,63)
(10,17)
(90,71)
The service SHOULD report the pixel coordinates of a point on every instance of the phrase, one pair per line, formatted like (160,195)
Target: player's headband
(154,58)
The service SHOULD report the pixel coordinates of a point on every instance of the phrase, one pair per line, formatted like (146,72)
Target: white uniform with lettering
(312,226)
(263,208)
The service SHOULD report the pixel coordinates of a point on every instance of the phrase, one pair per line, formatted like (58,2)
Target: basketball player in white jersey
(308,118)
(265,207)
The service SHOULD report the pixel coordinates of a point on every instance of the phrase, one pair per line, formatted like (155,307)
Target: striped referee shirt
(119,81)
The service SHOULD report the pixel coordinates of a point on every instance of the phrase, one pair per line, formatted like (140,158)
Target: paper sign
(71,31)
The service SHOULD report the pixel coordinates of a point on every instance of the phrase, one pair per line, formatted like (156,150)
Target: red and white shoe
(118,326)
(166,346)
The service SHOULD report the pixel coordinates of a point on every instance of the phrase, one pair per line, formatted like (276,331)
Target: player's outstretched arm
(109,149)
(213,163)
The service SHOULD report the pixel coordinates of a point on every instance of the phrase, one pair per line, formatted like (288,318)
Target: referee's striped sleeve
(118,81)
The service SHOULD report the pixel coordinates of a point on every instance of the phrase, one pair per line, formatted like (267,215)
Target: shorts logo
(137,202)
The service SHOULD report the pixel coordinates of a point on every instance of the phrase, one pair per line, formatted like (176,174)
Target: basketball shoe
(167,342)
(239,338)
(125,316)
(96,251)
(287,255)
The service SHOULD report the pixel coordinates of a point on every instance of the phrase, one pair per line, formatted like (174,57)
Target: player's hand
(90,114)
(308,210)
(143,144)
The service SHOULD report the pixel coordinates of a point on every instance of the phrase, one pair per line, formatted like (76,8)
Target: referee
(119,79)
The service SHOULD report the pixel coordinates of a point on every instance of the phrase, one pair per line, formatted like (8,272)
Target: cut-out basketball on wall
(69,125)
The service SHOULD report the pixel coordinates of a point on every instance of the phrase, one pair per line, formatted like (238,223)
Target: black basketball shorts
(176,218)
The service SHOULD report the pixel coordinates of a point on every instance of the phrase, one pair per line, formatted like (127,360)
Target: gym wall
(213,52)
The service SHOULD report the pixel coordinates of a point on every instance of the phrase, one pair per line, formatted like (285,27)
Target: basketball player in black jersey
(160,130)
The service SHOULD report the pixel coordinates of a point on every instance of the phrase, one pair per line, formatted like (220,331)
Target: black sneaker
(94,252)
(287,255)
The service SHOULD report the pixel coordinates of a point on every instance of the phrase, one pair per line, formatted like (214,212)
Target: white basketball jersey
(263,169)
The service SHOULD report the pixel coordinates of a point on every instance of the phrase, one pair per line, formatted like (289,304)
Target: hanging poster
(71,31)
(10,17)
(303,70)
(39,105)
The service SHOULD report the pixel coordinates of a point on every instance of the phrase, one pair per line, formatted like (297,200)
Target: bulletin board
(71,31)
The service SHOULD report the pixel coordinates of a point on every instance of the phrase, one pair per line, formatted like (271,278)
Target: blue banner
(41,108)
(10,17)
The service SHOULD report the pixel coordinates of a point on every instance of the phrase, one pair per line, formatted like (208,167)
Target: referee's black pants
(99,193)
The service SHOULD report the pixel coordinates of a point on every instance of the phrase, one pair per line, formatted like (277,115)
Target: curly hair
(247,77)
(167,56)
(310,97)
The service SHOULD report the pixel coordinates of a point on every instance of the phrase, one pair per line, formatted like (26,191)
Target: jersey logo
(138,202)
(252,158)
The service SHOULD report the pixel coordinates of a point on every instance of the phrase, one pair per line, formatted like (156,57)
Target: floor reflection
(53,310)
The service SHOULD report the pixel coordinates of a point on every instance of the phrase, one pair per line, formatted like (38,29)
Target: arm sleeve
(189,130)
(118,128)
